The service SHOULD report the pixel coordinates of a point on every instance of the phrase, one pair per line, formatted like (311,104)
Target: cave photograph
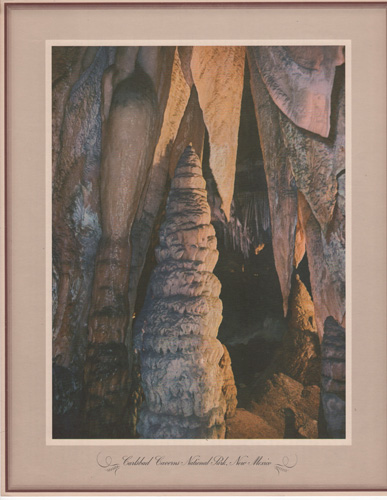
(198,242)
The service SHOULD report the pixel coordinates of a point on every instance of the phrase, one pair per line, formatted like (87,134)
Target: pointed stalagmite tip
(189,150)
(188,158)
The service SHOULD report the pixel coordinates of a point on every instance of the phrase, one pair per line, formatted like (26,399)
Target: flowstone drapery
(185,370)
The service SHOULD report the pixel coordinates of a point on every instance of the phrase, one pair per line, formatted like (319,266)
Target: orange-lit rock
(259,248)
(289,407)
(299,243)
(299,356)
(247,425)
(218,75)
(191,131)
(327,269)
(300,82)
(280,181)
(316,161)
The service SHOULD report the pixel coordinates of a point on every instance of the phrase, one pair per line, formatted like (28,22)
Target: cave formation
(191,184)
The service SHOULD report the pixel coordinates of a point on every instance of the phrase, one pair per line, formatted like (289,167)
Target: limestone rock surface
(299,356)
(280,181)
(300,243)
(333,378)
(229,390)
(139,85)
(121,118)
(171,111)
(288,406)
(300,82)
(66,69)
(247,425)
(218,75)
(75,209)
(191,131)
(326,257)
(183,366)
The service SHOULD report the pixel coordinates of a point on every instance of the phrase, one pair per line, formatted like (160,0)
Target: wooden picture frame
(32,462)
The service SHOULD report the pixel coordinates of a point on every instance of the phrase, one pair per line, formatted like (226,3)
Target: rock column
(182,363)
(333,379)
(129,135)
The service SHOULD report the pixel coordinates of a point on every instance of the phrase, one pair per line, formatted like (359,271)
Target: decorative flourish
(287,464)
(109,466)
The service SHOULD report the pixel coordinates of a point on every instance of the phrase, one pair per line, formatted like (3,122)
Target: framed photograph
(194,237)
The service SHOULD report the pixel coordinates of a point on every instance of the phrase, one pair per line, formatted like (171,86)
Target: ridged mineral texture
(172,110)
(333,378)
(300,80)
(186,373)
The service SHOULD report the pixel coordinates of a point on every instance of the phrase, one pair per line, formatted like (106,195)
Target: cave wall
(121,119)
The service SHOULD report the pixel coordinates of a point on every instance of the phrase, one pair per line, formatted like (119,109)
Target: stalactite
(248,225)
(280,182)
(328,286)
(237,235)
(191,131)
(218,75)
(123,67)
(300,82)
(316,161)
(325,237)
(182,362)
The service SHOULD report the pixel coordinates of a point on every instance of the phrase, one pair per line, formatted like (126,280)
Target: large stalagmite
(185,371)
